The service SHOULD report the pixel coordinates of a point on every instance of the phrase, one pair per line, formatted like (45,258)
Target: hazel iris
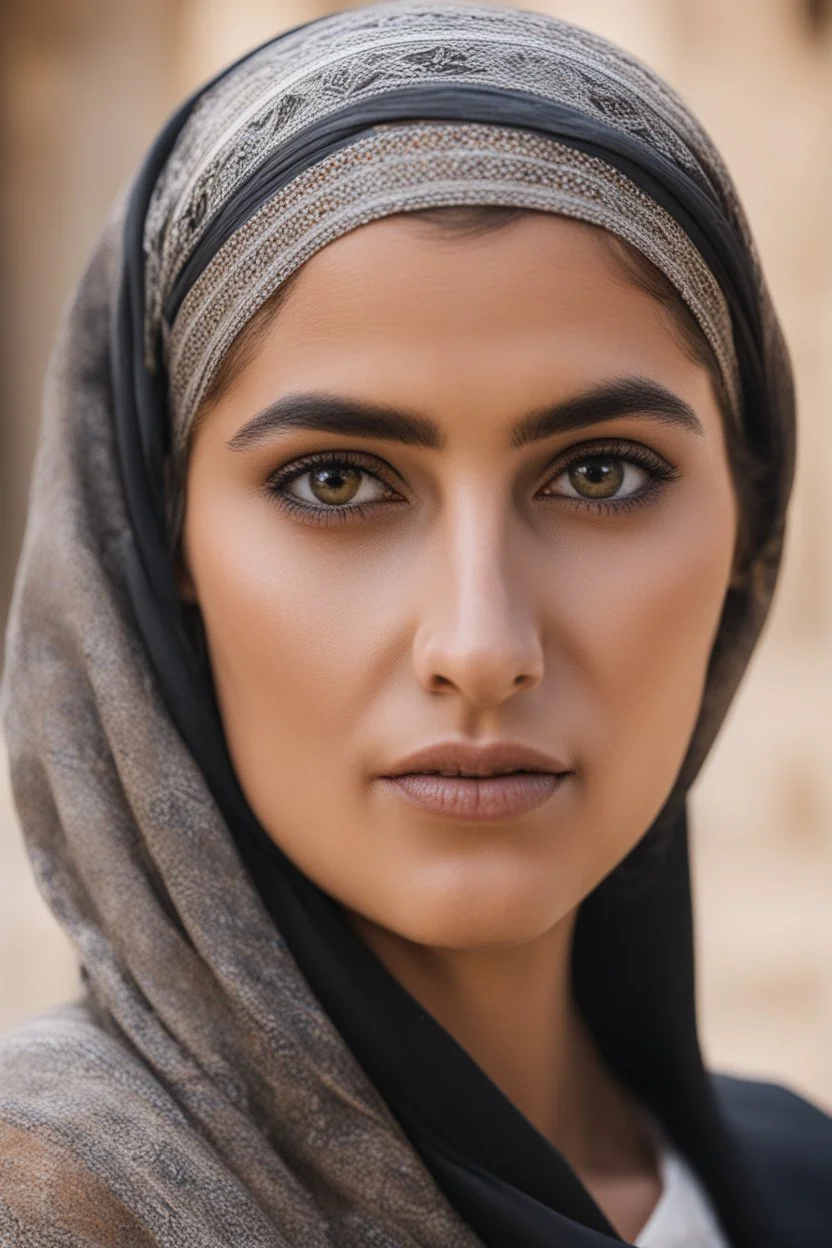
(335,483)
(598,477)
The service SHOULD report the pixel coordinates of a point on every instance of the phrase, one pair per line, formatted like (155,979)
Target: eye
(333,484)
(603,477)
(616,475)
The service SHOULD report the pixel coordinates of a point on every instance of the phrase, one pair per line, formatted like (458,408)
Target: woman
(410,499)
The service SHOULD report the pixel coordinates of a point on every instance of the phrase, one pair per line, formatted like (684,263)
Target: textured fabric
(404,169)
(366,53)
(293,83)
(242,1071)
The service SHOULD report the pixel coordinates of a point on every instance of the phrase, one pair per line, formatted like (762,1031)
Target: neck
(511,1008)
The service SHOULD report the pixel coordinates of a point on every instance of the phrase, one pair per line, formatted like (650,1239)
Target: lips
(459,780)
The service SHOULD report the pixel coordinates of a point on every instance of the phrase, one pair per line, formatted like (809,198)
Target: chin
(467,914)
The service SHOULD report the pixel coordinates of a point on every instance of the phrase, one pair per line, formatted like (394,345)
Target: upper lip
(459,758)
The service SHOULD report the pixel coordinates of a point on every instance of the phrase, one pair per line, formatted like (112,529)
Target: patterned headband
(214,254)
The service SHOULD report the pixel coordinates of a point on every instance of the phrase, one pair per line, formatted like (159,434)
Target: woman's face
(465,491)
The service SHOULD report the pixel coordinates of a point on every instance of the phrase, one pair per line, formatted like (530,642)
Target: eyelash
(659,470)
(326,515)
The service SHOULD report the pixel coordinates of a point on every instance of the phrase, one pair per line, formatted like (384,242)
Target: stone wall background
(84,84)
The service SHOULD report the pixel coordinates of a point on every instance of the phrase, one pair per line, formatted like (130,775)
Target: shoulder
(787,1142)
(65,1073)
(95,1153)
(58,1081)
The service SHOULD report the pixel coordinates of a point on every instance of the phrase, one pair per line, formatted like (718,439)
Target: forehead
(534,305)
(401,265)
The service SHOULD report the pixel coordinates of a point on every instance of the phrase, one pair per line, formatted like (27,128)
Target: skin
(477,600)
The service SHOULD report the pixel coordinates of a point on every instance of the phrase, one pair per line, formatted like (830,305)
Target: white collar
(684,1217)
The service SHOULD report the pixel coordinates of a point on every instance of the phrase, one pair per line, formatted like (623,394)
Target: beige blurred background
(84,85)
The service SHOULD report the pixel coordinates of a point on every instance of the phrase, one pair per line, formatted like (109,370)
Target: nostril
(526,680)
(441,682)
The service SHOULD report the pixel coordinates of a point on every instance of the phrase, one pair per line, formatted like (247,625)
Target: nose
(477,636)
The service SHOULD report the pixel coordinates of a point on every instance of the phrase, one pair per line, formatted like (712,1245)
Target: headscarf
(244,1070)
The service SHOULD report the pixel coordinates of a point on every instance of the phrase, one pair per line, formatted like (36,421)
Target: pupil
(335,484)
(597,477)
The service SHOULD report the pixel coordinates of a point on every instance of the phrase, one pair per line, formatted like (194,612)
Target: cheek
(641,624)
(299,636)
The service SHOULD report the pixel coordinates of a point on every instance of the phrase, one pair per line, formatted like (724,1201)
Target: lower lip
(470,797)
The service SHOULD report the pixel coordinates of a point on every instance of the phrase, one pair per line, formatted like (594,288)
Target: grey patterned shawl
(200,1095)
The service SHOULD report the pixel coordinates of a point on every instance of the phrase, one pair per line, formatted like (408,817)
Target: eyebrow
(326,413)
